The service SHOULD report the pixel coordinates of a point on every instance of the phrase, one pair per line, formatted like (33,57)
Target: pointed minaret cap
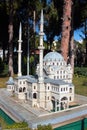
(20,32)
(41,21)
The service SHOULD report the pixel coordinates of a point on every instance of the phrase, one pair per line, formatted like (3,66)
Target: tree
(3,27)
(84,18)
(10,31)
(66,28)
(71,41)
(51,17)
(12,6)
(80,7)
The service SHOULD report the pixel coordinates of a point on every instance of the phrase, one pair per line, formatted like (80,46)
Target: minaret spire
(28,53)
(41,22)
(19,50)
(41,48)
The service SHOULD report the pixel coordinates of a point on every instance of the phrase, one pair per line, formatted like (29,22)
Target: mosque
(52,89)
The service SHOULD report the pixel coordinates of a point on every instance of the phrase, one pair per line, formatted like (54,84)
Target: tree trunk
(10,31)
(66,27)
(71,57)
(86,40)
(71,47)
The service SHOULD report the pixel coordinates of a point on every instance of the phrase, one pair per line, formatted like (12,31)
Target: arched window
(54,77)
(24,82)
(70,98)
(20,89)
(34,95)
(64,98)
(70,90)
(24,89)
(34,87)
(53,98)
(61,89)
(20,82)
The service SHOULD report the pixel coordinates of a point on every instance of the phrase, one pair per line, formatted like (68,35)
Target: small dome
(10,81)
(53,56)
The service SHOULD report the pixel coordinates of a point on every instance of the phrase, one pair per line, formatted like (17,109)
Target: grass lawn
(2,123)
(3,81)
(80,83)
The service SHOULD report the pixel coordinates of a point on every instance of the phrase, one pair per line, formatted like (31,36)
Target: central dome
(53,56)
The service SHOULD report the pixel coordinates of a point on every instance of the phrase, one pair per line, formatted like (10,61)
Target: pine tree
(10,31)
(66,28)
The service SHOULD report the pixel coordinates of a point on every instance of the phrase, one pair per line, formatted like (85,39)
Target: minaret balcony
(19,51)
(20,41)
(41,47)
(41,34)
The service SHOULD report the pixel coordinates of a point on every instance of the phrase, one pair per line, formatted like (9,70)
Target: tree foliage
(24,12)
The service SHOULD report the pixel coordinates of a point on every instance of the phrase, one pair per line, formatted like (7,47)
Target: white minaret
(41,48)
(19,50)
(28,53)
(41,86)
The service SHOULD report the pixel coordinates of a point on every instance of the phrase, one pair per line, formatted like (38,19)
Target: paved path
(20,111)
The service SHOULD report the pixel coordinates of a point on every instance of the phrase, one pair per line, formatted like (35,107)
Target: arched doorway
(34,95)
(20,89)
(24,89)
(53,102)
(56,105)
(64,103)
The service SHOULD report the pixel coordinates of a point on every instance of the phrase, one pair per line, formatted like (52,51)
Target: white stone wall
(10,87)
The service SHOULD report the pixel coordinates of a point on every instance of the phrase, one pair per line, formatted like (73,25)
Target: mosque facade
(52,89)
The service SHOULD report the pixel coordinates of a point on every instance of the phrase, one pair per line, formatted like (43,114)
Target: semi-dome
(53,56)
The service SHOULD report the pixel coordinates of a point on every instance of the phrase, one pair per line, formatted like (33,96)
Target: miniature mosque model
(52,88)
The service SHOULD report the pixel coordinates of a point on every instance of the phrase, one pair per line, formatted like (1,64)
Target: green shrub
(44,127)
(80,71)
(22,125)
